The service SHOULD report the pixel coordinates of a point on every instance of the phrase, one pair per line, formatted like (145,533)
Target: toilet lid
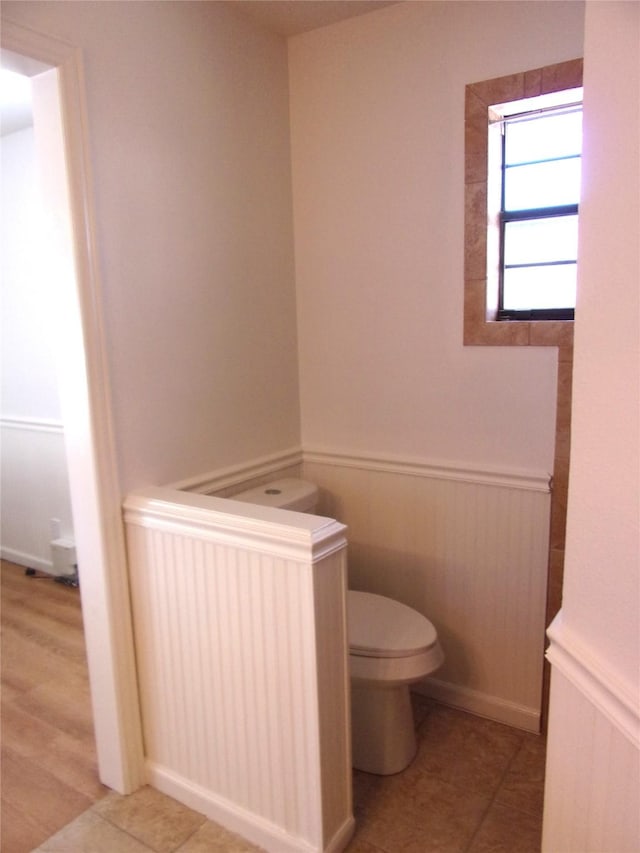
(381,627)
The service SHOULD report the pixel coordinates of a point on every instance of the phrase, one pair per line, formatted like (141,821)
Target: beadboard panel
(471,555)
(241,648)
(592,793)
(35,489)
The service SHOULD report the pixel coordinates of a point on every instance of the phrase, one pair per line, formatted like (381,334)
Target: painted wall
(377,115)
(604,499)
(33,468)
(398,417)
(595,649)
(188,109)
(29,380)
(188,114)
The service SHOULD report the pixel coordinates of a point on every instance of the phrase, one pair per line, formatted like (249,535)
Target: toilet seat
(381,627)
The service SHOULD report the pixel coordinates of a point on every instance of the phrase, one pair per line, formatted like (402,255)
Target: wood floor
(49,769)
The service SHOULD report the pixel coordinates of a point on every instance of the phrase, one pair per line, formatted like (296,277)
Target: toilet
(391,646)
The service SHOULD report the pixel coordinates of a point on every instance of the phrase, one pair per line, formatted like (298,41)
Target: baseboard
(342,837)
(29,561)
(233,817)
(481,704)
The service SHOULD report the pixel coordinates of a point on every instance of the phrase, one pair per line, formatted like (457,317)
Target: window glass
(543,137)
(540,196)
(539,288)
(548,184)
(539,241)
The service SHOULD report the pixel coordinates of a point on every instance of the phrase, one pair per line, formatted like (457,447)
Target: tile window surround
(480,285)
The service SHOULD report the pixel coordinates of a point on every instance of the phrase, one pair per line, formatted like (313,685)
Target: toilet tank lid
(382,627)
(287,493)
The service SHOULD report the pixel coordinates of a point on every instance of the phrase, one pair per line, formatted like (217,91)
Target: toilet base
(382,728)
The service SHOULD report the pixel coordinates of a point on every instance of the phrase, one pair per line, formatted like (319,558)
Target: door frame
(87,414)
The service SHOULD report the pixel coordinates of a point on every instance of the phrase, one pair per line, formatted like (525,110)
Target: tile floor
(475,787)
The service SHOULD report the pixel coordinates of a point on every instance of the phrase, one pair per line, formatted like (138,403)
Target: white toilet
(390,647)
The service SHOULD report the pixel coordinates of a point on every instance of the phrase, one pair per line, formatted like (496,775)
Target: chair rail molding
(582,667)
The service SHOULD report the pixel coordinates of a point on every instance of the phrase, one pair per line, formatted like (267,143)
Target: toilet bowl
(391,646)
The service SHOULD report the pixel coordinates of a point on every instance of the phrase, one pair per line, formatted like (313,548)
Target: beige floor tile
(523,784)
(211,838)
(153,818)
(469,752)
(507,830)
(359,845)
(422,706)
(91,834)
(418,813)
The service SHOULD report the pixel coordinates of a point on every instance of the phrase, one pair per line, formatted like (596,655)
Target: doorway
(55,70)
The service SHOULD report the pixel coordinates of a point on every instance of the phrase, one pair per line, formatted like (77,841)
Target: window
(540,148)
(483,325)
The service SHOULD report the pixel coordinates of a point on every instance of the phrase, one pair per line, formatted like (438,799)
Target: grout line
(491,802)
(124,832)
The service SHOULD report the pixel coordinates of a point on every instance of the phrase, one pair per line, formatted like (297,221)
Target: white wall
(602,590)
(33,468)
(594,729)
(377,113)
(188,115)
(29,380)
(398,418)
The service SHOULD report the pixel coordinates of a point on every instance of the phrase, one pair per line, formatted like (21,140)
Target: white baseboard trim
(235,475)
(342,837)
(481,704)
(236,819)
(580,665)
(29,561)
(531,481)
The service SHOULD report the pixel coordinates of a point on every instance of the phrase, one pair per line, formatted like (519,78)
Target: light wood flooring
(49,771)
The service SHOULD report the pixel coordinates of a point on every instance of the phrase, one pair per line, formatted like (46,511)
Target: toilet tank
(289,493)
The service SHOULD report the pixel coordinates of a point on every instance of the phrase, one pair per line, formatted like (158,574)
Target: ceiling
(290,17)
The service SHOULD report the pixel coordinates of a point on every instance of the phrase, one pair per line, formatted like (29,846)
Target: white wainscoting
(592,792)
(466,547)
(240,634)
(35,490)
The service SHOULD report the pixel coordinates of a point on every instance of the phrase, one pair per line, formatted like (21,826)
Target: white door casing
(60,120)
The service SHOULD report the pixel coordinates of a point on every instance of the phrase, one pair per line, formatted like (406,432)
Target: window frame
(528,215)
(482,245)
